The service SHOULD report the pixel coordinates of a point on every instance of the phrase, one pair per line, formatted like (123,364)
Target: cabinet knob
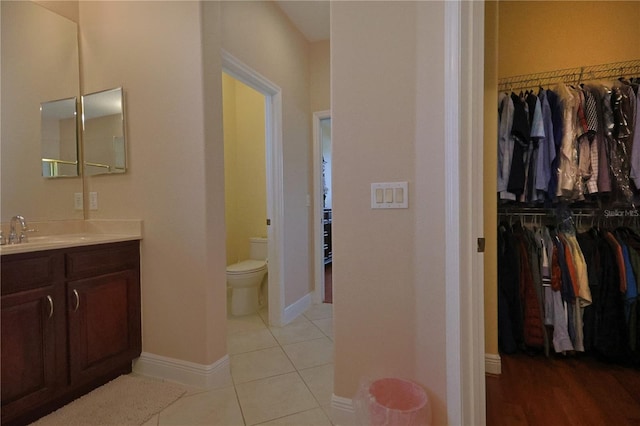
(77,297)
(50,300)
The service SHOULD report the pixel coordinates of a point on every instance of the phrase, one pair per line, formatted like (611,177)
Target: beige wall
(560,42)
(29,34)
(320,75)
(389,276)
(68,9)
(261,36)
(175,178)
(160,53)
(244,166)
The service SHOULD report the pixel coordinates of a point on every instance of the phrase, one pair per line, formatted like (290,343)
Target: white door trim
(318,210)
(464,53)
(275,180)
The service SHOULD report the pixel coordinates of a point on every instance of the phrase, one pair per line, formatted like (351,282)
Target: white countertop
(52,242)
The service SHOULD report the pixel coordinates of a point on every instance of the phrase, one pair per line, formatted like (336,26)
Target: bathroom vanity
(70,321)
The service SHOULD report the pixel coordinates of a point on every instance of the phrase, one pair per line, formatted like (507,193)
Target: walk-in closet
(562,304)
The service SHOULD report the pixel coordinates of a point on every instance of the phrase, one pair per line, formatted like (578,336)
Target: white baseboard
(296,309)
(343,413)
(212,376)
(492,364)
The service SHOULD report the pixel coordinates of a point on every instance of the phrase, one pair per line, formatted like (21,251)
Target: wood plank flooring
(328,284)
(534,390)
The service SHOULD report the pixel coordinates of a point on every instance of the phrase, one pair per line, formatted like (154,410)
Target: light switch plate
(78,201)
(389,195)
(93,201)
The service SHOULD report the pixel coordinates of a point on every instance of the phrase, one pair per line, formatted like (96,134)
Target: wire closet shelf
(572,76)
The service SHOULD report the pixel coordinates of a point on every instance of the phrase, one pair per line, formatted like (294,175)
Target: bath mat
(127,400)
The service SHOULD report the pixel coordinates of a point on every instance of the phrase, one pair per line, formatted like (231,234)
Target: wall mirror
(58,138)
(103,132)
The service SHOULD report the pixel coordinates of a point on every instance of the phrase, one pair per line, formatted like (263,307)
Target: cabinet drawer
(102,259)
(28,271)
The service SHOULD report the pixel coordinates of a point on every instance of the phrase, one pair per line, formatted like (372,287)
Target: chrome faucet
(14,238)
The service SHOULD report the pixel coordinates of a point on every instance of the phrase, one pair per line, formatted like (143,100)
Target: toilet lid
(249,265)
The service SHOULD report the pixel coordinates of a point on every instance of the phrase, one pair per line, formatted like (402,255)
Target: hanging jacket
(510,325)
(533,326)
(589,246)
(610,341)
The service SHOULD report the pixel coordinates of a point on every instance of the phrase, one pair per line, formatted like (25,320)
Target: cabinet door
(32,367)
(104,324)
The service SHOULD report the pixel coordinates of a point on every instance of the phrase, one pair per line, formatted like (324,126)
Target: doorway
(273,178)
(244,174)
(323,210)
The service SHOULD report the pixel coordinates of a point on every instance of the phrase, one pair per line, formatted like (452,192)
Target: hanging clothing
(505,145)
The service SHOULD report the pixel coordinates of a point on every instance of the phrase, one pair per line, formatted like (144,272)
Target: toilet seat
(246,266)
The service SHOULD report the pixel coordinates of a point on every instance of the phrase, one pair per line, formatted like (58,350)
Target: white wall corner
(343,413)
(492,364)
(212,376)
(296,309)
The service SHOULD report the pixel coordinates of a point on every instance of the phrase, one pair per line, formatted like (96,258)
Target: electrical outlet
(93,201)
(78,201)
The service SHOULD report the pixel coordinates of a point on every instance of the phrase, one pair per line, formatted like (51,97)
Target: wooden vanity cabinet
(33,330)
(103,295)
(70,322)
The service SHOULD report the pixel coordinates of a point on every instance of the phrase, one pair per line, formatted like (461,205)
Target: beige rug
(127,400)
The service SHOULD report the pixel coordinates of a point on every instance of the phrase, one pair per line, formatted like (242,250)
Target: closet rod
(571,75)
(547,214)
(549,211)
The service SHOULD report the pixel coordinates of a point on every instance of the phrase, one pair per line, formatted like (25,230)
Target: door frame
(318,208)
(275,181)
(464,138)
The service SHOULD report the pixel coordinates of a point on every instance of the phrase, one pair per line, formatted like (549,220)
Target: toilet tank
(258,248)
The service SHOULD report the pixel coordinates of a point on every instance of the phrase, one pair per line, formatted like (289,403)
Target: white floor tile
(275,397)
(319,311)
(248,341)
(326,325)
(260,364)
(244,323)
(296,332)
(310,353)
(217,407)
(264,314)
(314,417)
(330,414)
(153,421)
(320,382)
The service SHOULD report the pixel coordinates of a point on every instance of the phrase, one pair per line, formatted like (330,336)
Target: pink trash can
(392,402)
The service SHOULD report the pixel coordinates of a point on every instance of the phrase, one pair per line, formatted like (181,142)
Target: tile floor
(281,376)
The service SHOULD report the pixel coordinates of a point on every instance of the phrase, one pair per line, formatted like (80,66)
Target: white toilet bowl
(245,278)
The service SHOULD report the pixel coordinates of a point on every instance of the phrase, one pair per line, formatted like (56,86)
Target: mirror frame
(98,105)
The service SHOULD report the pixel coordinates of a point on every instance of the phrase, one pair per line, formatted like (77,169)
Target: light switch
(379,195)
(389,195)
(399,195)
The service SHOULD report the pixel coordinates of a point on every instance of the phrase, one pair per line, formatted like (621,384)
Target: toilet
(245,278)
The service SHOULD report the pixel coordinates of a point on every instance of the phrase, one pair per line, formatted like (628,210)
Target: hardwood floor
(328,284)
(534,390)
